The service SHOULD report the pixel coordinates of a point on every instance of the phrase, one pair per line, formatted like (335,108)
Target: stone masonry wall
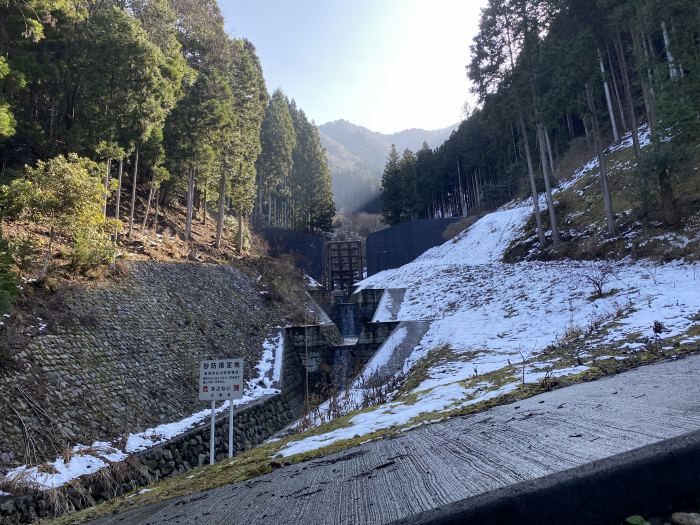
(123,361)
(128,357)
(253,424)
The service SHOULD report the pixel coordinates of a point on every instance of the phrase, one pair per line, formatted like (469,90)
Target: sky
(388,65)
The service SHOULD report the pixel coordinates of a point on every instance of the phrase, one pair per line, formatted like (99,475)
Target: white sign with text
(220,379)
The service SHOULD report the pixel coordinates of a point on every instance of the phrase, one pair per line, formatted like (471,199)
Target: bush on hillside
(66,196)
(26,251)
(8,277)
(92,248)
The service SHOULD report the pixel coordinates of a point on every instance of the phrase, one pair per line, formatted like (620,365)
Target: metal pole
(306,357)
(212,435)
(230,428)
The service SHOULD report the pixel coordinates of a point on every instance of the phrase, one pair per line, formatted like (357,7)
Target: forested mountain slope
(356,156)
(142,130)
(548,74)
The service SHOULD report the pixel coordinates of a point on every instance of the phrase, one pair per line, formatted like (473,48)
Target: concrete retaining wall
(329,361)
(253,424)
(125,354)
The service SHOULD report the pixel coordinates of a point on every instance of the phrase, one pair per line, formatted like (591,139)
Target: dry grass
(20,485)
(375,391)
(642,229)
(454,229)
(262,460)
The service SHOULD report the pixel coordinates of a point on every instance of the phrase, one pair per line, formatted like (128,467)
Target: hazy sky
(384,64)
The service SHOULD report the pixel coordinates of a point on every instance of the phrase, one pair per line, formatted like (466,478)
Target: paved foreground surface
(462,458)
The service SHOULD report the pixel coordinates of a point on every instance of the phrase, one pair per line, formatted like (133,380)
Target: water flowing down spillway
(345,316)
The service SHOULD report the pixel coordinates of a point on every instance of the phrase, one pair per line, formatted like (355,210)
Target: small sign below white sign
(220,379)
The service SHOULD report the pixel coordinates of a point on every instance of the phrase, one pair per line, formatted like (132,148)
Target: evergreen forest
(114,111)
(548,74)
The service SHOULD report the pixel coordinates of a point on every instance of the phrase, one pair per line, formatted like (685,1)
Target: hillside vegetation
(548,73)
(140,129)
(356,156)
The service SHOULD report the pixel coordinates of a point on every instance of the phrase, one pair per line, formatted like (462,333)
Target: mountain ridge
(357,155)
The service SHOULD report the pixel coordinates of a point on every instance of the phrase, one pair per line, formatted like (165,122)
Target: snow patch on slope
(90,459)
(500,317)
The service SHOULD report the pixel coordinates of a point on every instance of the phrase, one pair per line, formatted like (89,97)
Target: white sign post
(220,380)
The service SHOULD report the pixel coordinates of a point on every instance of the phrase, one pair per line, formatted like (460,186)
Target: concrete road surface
(461,463)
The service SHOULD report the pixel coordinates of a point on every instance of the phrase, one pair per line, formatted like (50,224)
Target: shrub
(8,278)
(60,193)
(66,196)
(598,276)
(26,252)
(92,248)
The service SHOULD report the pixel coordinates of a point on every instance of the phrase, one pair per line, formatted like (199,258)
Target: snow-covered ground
(311,283)
(89,459)
(493,316)
(494,319)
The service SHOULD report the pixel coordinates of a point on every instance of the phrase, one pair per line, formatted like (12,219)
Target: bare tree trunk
(638,47)
(628,95)
(274,212)
(650,107)
(515,147)
(608,99)
(547,185)
(673,71)
(151,190)
(220,211)
(269,206)
(109,169)
(550,155)
(602,163)
(259,207)
(533,184)
(133,192)
(190,205)
(664,177)
(155,217)
(119,198)
(240,235)
(195,201)
(462,201)
(570,125)
(616,91)
(204,203)
(119,189)
(647,58)
(49,251)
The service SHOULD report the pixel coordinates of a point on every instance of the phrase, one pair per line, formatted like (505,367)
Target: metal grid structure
(344,264)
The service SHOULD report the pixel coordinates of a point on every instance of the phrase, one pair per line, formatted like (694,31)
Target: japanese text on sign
(220,379)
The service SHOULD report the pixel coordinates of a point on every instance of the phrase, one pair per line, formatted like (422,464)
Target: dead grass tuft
(454,229)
